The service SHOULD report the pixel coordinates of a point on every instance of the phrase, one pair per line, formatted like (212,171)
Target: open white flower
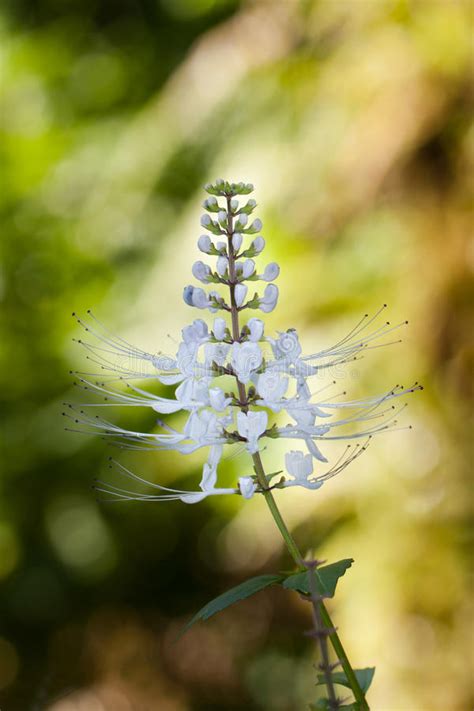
(247,357)
(251,426)
(287,346)
(271,387)
(216,353)
(300,466)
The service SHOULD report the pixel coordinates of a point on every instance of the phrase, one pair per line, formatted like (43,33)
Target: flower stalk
(321,616)
(272,377)
(321,634)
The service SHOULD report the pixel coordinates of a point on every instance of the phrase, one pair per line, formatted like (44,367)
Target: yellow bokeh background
(353,120)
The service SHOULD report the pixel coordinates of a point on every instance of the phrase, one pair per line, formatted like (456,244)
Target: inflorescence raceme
(270,374)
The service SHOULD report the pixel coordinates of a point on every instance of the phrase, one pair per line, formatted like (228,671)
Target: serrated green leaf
(240,592)
(325,578)
(364,677)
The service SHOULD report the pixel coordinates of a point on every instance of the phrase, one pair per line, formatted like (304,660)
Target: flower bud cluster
(234,265)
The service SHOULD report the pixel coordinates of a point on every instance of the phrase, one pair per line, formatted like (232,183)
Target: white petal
(193,498)
(170,379)
(271,272)
(314,450)
(222,265)
(247,486)
(201,271)
(215,455)
(298,464)
(200,299)
(219,328)
(246,358)
(240,293)
(209,478)
(188,294)
(166,407)
(236,241)
(256,327)
(217,399)
(204,244)
(248,268)
(269,299)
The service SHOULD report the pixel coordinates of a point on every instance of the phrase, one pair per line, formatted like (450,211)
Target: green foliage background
(351,117)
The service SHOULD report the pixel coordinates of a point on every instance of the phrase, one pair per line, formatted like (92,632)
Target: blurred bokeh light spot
(97,81)
(278,682)
(9,549)
(80,537)
(9,663)
(83,701)
(26,111)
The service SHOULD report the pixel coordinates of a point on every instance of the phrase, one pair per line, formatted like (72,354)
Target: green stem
(275,511)
(262,480)
(322,634)
(298,558)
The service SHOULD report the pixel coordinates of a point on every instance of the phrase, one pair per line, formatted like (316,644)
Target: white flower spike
(270,374)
